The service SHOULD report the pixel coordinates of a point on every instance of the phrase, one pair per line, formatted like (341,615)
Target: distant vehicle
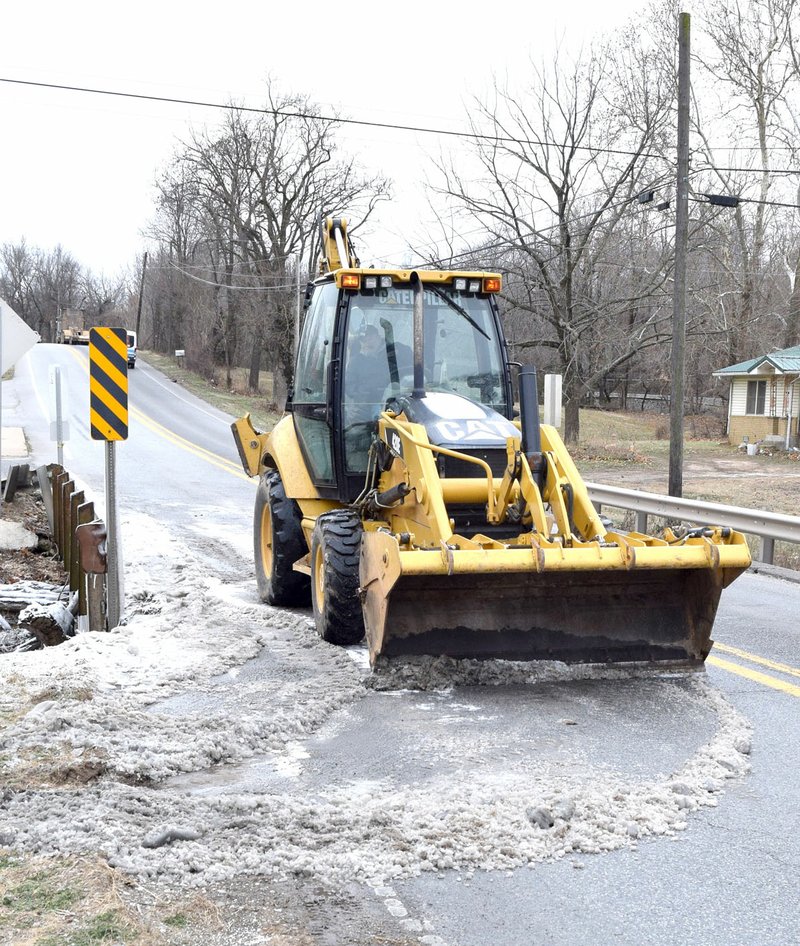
(131,349)
(75,331)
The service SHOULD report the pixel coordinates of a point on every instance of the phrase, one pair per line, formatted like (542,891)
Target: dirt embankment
(30,577)
(40,564)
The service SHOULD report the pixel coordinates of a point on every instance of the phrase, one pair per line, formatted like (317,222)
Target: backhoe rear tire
(278,542)
(335,550)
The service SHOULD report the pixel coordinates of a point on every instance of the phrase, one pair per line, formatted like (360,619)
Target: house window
(756,396)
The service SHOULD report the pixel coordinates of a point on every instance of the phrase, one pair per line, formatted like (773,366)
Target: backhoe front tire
(278,542)
(335,551)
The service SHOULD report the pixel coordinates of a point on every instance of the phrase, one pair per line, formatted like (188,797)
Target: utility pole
(681,241)
(296,341)
(141,296)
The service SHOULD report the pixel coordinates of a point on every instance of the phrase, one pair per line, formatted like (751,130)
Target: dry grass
(81,901)
(236,401)
(55,691)
(51,767)
(639,438)
(67,902)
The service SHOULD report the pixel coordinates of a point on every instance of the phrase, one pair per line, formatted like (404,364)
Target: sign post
(59,428)
(108,421)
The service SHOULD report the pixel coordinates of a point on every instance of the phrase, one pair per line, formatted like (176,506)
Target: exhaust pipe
(529,422)
(419,336)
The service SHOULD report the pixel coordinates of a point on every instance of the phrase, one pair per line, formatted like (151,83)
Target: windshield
(462,355)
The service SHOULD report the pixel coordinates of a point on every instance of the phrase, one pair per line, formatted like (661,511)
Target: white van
(132,345)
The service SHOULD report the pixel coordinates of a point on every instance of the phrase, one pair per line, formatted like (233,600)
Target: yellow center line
(754,658)
(83,362)
(229,466)
(755,675)
(156,427)
(212,458)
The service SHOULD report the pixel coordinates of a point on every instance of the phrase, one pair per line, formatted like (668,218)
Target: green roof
(785,360)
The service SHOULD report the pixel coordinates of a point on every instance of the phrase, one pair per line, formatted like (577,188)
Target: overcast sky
(78,169)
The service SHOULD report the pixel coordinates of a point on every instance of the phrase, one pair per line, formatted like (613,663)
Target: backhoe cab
(402,497)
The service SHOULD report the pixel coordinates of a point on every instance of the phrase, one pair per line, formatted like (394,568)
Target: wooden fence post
(58,517)
(75,500)
(67,489)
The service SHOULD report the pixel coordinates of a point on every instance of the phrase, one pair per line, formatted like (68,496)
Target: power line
(555,226)
(432,245)
(751,148)
(743,200)
(769,171)
(770,203)
(222,285)
(283,113)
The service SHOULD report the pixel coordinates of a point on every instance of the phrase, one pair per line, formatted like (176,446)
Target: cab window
(311,376)
(314,355)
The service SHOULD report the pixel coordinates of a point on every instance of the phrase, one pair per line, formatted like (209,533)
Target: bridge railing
(768,526)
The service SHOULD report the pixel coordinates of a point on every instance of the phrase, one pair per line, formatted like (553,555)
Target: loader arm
(559,587)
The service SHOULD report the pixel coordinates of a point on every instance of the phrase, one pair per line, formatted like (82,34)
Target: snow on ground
(104,703)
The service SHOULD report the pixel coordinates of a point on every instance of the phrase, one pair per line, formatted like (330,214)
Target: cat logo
(395,443)
(475,431)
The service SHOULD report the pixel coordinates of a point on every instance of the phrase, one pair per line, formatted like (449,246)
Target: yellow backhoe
(400,494)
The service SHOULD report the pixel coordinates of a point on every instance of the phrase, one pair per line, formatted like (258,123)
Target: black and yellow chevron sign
(108,383)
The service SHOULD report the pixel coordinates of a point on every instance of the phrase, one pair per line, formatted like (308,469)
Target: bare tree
(37,283)
(557,170)
(246,201)
(743,107)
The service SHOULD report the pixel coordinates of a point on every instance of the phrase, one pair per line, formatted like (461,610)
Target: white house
(764,397)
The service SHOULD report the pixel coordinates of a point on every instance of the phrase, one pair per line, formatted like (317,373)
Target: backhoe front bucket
(456,605)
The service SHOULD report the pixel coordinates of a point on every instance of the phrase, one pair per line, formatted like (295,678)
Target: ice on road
(92,743)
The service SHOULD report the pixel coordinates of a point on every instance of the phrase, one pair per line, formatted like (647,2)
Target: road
(435,758)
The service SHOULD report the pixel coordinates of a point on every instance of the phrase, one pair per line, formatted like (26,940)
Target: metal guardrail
(769,526)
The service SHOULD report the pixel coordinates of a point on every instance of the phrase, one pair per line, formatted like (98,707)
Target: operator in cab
(368,368)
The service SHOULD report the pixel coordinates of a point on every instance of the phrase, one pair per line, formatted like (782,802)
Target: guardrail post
(767,550)
(43,474)
(92,538)
(58,514)
(67,489)
(95,601)
(75,500)
(641,522)
(85,515)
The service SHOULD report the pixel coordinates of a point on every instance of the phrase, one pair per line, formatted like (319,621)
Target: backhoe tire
(278,542)
(335,550)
